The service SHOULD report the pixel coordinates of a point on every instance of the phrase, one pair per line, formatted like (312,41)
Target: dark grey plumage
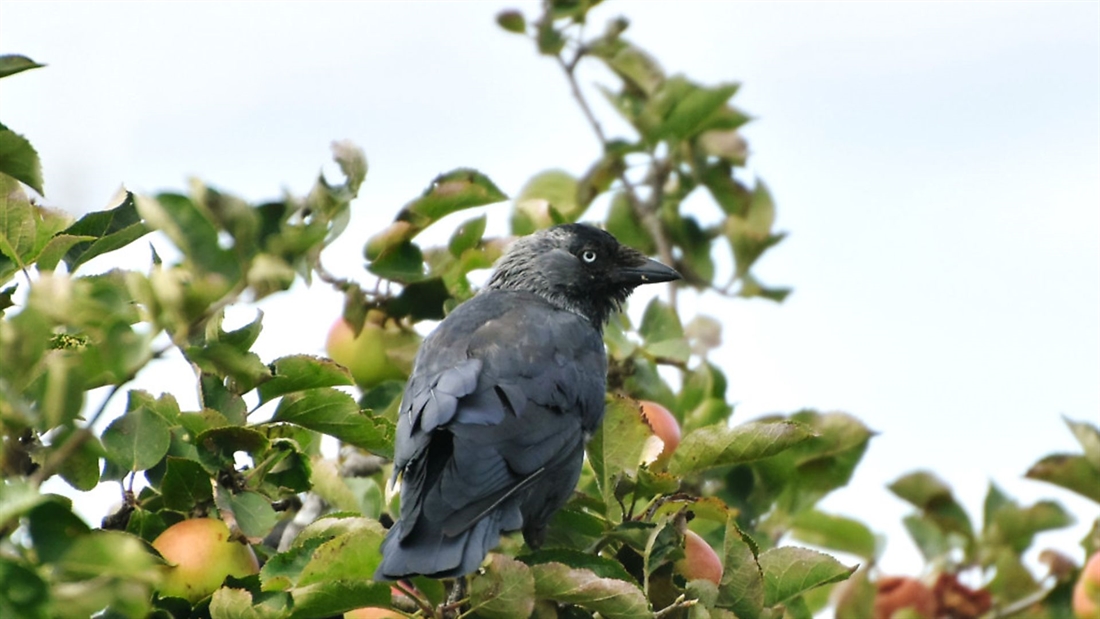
(503,396)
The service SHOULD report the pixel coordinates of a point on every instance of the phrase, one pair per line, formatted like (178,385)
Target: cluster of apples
(700,560)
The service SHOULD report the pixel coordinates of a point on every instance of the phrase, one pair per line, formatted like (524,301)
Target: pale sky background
(937,166)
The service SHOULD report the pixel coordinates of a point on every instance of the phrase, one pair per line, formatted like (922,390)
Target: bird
(503,395)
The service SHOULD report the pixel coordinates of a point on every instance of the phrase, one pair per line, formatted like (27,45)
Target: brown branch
(646,210)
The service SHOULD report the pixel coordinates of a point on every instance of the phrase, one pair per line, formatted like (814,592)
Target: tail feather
(427,551)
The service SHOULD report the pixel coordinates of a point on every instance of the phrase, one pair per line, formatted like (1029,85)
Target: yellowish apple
(200,556)
(378,354)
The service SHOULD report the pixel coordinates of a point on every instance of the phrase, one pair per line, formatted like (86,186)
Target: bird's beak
(648,272)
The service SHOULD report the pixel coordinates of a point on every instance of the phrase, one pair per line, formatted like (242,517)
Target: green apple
(380,353)
(200,556)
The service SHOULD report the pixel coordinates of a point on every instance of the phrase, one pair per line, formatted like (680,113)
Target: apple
(1086,592)
(897,592)
(200,556)
(372,612)
(700,560)
(665,428)
(380,353)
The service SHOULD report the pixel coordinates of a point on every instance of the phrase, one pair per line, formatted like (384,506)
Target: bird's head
(579,268)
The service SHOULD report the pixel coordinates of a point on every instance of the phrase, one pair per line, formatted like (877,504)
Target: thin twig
(645,210)
(679,603)
(411,594)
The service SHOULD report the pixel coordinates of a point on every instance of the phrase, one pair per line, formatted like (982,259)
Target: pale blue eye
(588,256)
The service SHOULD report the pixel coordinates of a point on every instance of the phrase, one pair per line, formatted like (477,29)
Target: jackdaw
(502,398)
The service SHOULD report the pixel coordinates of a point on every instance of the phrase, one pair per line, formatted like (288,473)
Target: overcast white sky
(936,164)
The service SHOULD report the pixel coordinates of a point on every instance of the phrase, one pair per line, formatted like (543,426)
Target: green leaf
(301,372)
(617,447)
(10,64)
(56,249)
(1012,580)
(185,485)
(420,300)
(1071,472)
(1089,436)
(216,396)
(750,232)
(612,599)
(932,541)
(624,224)
(598,565)
(229,603)
(934,498)
(137,440)
(109,553)
(53,528)
(1007,524)
(104,231)
(800,476)
(354,551)
(836,532)
(505,588)
(192,230)
(81,468)
(751,287)
(449,193)
(17,497)
(557,188)
(330,486)
(352,162)
(401,263)
(338,595)
(856,598)
(467,235)
(790,571)
(19,160)
(24,593)
(690,113)
(217,446)
(335,413)
(742,586)
(717,445)
(660,323)
(512,21)
(550,41)
(244,368)
(253,513)
(145,524)
(25,229)
(636,67)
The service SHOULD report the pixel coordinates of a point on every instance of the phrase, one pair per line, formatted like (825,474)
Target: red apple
(378,354)
(664,426)
(200,556)
(897,592)
(1086,593)
(700,560)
